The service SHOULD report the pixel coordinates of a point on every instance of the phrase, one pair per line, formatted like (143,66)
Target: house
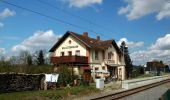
(89,57)
(155,66)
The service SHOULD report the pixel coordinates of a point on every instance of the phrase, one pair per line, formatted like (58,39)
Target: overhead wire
(47,16)
(73,15)
(57,19)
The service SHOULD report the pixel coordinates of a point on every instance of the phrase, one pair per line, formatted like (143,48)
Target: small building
(90,57)
(155,67)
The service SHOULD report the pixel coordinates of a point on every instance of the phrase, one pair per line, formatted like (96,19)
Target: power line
(47,16)
(66,12)
(71,14)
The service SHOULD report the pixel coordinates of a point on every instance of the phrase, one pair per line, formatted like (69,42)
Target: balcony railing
(110,61)
(69,59)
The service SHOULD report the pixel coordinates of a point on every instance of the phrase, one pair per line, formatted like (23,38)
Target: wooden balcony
(69,59)
(110,61)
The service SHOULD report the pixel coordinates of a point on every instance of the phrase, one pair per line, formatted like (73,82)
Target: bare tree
(25,58)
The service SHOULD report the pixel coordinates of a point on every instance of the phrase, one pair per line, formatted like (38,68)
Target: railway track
(129,92)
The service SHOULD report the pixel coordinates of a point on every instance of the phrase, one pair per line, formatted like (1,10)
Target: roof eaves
(59,41)
(117,47)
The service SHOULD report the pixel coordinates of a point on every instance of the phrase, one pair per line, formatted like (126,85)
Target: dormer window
(69,42)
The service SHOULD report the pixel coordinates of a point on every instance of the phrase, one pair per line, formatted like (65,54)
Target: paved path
(150,94)
(114,87)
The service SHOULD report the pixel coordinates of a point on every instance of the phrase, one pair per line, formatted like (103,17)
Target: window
(62,54)
(96,68)
(103,55)
(120,71)
(110,56)
(69,42)
(120,58)
(77,53)
(96,55)
(69,53)
(103,67)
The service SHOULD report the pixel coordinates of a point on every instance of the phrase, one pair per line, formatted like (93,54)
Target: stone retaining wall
(12,82)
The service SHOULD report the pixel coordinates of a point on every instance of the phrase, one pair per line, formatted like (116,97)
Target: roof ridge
(89,37)
(88,41)
(83,36)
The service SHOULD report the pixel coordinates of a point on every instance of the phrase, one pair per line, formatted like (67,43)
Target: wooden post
(45,85)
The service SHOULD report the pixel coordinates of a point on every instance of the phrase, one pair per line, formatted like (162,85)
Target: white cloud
(162,43)
(141,57)
(165,13)
(160,50)
(6,13)
(1,25)
(124,10)
(130,44)
(2,51)
(136,9)
(82,3)
(39,40)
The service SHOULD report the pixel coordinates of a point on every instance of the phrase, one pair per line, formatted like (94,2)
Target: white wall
(113,50)
(92,56)
(74,42)
(122,73)
(96,63)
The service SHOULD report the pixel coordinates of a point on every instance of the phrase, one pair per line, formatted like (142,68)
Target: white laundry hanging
(51,77)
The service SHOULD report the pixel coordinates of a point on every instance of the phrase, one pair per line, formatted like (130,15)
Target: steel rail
(129,92)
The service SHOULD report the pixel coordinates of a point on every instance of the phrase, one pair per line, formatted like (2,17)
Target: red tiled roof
(89,42)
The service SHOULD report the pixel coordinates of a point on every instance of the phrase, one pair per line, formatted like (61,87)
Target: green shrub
(65,75)
(6,67)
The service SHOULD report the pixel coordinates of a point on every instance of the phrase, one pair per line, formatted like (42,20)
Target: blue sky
(143,24)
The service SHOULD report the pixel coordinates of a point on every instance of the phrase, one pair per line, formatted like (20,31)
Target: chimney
(98,37)
(85,34)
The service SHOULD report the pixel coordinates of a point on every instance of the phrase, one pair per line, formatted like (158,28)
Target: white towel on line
(51,77)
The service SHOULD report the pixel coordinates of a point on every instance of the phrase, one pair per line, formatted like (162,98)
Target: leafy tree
(128,62)
(65,75)
(40,59)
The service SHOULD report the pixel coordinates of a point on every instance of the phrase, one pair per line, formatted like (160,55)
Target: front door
(87,75)
(113,72)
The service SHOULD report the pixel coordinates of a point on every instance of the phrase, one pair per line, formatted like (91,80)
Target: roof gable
(87,41)
(63,38)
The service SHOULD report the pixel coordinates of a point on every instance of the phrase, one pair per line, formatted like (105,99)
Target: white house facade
(91,58)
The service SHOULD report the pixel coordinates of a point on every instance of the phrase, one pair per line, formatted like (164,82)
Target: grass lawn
(49,94)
